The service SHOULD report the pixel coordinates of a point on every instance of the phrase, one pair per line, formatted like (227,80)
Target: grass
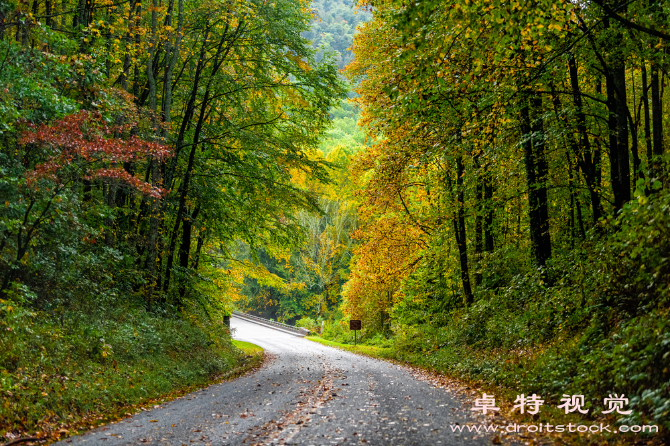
(60,377)
(248,348)
(367,350)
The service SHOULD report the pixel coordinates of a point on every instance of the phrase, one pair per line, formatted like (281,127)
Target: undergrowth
(595,322)
(58,375)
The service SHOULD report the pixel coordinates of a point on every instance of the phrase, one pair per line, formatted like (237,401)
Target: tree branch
(610,12)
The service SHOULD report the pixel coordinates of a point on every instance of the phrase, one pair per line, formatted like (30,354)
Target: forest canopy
(483,184)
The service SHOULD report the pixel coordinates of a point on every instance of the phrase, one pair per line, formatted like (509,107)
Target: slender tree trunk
(138,41)
(110,225)
(217,60)
(536,176)
(580,219)
(585,159)
(87,191)
(597,151)
(125,73)
(459,230)
(657,119)
(155,218)
(35,12)
(542,174)
(479,242)
(572,201)
(63,8)
(172,55)
(185,250)
(189,111)
(618,126)
(488,219)
(47,8)
(198,249)
(647,121)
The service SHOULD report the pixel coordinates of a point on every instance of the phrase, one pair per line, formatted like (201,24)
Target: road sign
(355,325)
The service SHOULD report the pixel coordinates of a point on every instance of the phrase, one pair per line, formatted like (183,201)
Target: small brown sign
(354,324)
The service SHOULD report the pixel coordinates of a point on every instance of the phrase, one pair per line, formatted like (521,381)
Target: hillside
(334,27)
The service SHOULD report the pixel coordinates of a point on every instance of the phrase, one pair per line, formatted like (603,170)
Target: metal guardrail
(284,327)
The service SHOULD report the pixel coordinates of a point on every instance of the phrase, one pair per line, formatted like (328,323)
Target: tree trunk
(155,168)
(585,159)
(47,9)
(185,251)
(198,249)
(657,119)
(63,8)
(125,73)
(138,41)
(217,61)
(459,230)
(110,224)
(647,120)
(479,242)
(536,176)
(488,219)
(618,127)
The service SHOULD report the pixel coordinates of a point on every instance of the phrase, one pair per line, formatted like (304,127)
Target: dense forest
(140,143)
(307,281)
(512,203)
(483,184)
(333,28)
(514,217)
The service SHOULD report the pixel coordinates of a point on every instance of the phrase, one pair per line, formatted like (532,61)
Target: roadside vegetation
(62,376)
(511,200)
(140,143)
(487,191)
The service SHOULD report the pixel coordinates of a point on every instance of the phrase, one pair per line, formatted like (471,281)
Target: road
(305,394)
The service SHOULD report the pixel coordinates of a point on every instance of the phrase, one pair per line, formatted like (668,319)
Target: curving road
(305,394)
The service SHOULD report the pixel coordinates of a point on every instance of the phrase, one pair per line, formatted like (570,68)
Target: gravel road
(305,394)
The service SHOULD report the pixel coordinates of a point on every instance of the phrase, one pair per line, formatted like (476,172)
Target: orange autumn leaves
(390,243)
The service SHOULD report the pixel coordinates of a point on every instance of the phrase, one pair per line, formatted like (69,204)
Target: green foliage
(309,323)
(367,350)
(114,256)
(600,326)
(337,331)
(33,87)
(312,275)
(66,368)
(344,134)
(334,27)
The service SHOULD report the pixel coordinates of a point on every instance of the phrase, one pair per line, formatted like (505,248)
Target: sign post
(355,325)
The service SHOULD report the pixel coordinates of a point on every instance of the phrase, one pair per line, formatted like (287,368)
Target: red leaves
(84,136)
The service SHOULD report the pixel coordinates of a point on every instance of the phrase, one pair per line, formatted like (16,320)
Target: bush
(595,322)
(309,323)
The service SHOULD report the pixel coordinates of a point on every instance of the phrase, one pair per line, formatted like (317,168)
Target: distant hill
(334,28)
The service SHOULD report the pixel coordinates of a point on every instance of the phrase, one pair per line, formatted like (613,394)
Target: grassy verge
(60,377)
(248,348)
(367,350)
(434,362)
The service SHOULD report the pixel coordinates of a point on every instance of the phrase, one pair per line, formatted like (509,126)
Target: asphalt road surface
(305,394)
